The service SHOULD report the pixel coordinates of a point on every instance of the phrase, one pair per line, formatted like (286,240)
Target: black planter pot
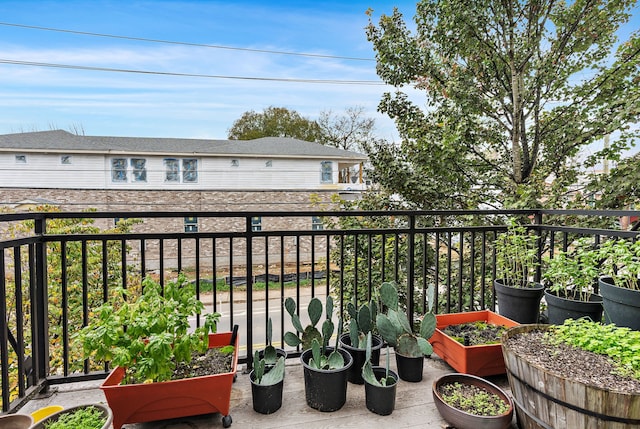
(381,399)
(409,367)
(561,308)
(267,399)
(359,356)
(521,304)
(326,390)
(621,305)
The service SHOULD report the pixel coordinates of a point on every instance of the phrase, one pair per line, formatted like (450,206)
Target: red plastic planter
(482,360)
(137,403)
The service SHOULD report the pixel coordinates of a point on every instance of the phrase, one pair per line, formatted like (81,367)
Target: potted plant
(15,421)
(162,370)
(516,259)
(453,341)
(267,384)
(271,354)
(470,402)
(89,416)
(325,368)
(379,383)
(410,347)
(362,321)
(552,386)
(620,287)
(571,277)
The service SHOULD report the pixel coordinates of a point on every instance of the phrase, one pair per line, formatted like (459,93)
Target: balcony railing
(58,267)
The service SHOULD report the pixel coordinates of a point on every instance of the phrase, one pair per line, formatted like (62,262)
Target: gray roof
(278,147)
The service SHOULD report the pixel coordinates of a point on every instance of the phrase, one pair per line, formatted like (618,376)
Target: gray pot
(621,305)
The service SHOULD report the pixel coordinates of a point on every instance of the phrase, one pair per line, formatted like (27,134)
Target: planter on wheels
(381,399)
(103,409)
(326,390)
(463,420)
(521,304)
(621,305)
(409,367)
(481,360)
(136,403)
(359,356)
(267,399)
(560,308)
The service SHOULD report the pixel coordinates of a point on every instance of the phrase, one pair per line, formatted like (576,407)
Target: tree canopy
(274,122)
(495,100)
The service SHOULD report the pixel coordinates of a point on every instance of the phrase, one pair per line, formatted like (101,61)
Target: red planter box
(137,403)
(482,360)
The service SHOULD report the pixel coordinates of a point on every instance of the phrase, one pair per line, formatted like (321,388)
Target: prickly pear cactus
(304,336)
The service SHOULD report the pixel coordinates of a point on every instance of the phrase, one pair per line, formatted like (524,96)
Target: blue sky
(147,105)
(152,105)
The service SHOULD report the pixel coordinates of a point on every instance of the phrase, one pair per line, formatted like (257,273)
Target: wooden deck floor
(414,405)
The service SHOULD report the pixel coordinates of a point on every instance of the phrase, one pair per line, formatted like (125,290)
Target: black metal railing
(57,267)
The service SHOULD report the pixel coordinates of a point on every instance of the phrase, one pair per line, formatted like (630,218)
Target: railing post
(411,267)
(39,302)
(249,273)
(539,243)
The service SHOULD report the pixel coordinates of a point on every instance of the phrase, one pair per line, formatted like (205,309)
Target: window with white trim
(190,224)
(119,170)
(171,170)
(190,170)
(235,163)
(139,169)
(256,223)
(65,159)
(316,223)
(326,172)
(21,159)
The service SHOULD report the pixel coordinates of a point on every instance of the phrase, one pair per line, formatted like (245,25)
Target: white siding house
(60,160)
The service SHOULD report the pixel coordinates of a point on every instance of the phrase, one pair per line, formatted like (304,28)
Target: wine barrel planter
(548,400)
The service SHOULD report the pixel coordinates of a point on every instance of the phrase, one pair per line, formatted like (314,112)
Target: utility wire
(208,76)
(170,42)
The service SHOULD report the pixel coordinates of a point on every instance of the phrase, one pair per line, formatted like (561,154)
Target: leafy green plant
(311,338)
(362,321)
(473,399)
(573,274)
(516,255)
(264,377)
(621,261)
(149,336)
(395,328)
(81,418)
(621,344)
(367,370)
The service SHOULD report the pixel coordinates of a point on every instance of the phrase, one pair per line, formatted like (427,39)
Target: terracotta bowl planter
(464,420)
(104,410)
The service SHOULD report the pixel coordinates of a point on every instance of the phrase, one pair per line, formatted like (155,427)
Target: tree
(514,90)
(351,131)
(274,122)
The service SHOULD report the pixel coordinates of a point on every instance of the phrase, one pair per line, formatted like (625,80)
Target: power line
(170,42)
(208,76)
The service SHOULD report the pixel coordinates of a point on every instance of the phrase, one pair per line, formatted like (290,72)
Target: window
(190,170)
(65,159)
(190,224)
(256,223)
(316,223)
(139,166)
(171,170)
(21,159)
(326,172)
(268,163)
(235,163)
(119,169)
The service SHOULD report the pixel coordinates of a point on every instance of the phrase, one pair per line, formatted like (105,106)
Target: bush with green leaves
(149,336)
(574,273)
(621,261)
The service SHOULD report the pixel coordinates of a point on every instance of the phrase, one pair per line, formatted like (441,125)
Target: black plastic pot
(560,308)
(359,356)
(621,305)
(409,367)
(381,399)
(521,304)
(326,390)
(267,399)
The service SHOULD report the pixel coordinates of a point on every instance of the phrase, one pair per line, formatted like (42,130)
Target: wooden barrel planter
(546,400)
